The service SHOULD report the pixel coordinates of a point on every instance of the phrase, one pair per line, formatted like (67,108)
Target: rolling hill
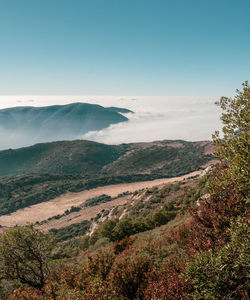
(43,172)
(91,158)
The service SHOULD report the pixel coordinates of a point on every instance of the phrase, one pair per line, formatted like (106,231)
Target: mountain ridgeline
(167,158)
(23,126)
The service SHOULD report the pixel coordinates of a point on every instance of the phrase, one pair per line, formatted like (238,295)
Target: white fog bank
(155,118)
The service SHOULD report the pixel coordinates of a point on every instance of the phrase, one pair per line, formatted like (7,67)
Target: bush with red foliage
(167,283)
(130,273)
(99,264)
(124,244)
(69,278)
(210,222)
(85,283)
(27,294)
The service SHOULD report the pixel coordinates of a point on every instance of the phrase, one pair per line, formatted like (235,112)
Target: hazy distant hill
(22,126)
(86,157)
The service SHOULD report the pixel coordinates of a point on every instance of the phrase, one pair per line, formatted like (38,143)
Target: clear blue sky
(124,47)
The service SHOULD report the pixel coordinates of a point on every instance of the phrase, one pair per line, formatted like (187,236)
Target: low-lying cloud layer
(183,124)
(155,118)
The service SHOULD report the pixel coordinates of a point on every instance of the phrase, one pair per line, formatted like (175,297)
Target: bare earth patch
(84,214)
(45,210)
(176,145)
(209,147)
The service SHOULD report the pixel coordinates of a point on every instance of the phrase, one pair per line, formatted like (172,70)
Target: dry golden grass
(45,210)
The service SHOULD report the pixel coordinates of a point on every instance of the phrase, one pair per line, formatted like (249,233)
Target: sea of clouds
(154,118)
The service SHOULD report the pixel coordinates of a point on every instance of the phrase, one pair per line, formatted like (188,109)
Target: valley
(43,211)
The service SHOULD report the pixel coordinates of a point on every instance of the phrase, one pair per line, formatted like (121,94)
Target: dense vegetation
(70,231)
(203,256)
(97,200)
(66,157)
(116,230)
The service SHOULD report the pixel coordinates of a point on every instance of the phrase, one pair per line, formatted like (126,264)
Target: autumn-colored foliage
(120,246)
(167,283)
(211,219)
(130,273)
(27,294)
(99,264)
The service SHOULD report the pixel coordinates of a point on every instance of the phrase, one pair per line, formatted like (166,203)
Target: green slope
(91,158)
(42,172)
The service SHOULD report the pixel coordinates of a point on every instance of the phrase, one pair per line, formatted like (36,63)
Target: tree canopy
(233,148)
(25,255)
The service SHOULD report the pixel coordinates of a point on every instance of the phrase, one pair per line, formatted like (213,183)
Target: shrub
(167,283)
(122,245)
(129,274)
(223,273)
(99,264)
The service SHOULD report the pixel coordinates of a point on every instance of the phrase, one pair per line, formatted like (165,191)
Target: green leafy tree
(233,148)
(25,255)
(122,229)
(104,230)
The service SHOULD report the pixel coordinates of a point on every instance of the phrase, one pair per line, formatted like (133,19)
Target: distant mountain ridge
(27,125)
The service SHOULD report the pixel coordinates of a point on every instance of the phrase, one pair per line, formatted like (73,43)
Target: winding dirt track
(45,210)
